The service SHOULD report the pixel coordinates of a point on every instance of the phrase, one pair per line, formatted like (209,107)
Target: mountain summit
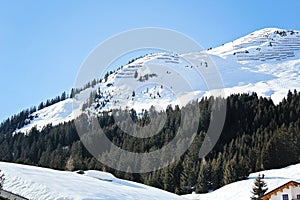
(263,45)
(266,61)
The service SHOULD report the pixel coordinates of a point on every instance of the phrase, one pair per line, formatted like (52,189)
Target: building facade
(288,191)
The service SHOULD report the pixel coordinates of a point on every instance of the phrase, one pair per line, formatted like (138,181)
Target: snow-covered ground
(42,183)
(272,54)
(55,114)
(48,184)
(266,61)
(242,190)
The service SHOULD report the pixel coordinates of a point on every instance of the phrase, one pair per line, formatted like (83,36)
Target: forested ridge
(257,135)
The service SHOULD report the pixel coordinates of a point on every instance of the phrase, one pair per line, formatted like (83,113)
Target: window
(298,196)
(285,197)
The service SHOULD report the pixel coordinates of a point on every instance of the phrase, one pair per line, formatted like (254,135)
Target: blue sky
(43,43)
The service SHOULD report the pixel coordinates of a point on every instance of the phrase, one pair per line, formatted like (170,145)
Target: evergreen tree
(136,74)
(229,171)
(259,188)
(257,135)
(70,164)
(63,96)
(204,177)
(281,150)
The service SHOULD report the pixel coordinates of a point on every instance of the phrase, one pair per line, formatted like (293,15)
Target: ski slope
(48,184)
(242,190)
(266,61)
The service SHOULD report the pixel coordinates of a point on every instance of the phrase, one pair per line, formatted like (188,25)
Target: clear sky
(43,43)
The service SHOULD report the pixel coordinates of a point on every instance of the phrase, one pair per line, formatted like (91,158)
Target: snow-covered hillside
(270,51)
(41,183)
(242,190)
(55,114)
(266,61)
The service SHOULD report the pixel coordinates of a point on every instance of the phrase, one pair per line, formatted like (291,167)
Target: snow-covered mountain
(266,61)
(273,54)
(242,189)
(55,114)
(48,184)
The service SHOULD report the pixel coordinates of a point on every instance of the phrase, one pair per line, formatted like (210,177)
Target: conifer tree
(259,188)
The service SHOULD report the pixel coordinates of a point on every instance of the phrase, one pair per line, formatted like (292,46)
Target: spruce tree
(259,188)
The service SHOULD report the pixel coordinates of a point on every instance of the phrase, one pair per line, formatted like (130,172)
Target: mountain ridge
(248,64)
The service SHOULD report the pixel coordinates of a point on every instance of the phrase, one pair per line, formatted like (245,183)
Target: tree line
(257,135)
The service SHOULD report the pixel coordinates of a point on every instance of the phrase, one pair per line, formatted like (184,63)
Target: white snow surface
(48,184)
(266,61)
(55,114)
(242,189)
(43,183)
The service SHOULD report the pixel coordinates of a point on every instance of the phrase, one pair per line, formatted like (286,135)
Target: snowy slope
(266,61)
(55,114)
(270,51)
(41,183)
(156,80)
(242,190)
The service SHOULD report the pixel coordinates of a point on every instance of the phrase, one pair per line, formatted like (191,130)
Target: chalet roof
(268,195)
